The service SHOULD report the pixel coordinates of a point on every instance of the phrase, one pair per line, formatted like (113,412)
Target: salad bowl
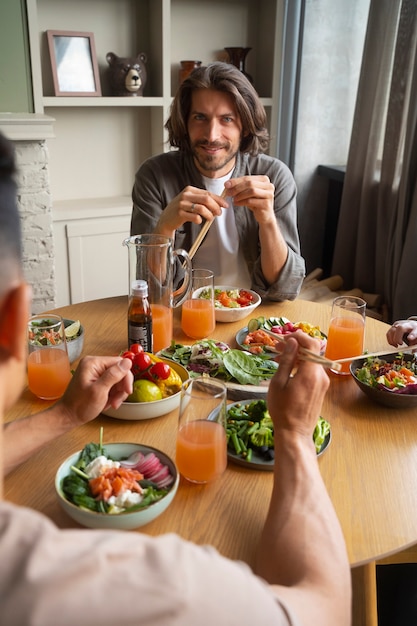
(262,331)
(363,373)
(234,295)
(155,408)
(124,520)
(74,338)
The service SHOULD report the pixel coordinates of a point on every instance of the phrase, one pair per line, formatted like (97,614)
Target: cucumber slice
(253,325)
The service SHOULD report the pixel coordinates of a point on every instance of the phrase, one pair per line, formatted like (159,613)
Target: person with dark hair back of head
(218,169)
(10,238)
(49,576)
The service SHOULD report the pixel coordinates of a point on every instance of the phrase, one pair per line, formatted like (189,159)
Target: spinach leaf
(248,369)
(77,490)
(90,452)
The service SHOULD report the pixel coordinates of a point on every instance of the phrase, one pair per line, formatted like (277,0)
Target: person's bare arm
(302,552)
(98,382)
(257,193)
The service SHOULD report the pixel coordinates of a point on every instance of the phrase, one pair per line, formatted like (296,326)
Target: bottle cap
(140,288)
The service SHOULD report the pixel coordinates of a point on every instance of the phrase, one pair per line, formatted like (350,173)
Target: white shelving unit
(100,141)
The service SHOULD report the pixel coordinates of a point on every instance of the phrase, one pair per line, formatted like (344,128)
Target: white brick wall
(35,204)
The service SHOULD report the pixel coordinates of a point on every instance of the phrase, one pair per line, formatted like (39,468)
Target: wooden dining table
(369,468)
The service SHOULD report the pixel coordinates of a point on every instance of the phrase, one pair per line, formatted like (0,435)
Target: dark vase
(237,57)
(186,68)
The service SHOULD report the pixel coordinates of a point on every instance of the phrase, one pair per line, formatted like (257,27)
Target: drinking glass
(201,452)
(48,365)
(197,316)
(346,331)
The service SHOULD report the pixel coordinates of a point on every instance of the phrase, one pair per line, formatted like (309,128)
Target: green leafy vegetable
(220,361)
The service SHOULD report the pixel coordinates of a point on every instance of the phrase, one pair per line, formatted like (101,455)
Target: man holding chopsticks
(219,176)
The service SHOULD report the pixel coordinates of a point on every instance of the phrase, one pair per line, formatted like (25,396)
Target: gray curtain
(376,242)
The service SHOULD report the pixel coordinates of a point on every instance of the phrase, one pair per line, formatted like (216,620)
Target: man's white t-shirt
(52,577)
(220,250)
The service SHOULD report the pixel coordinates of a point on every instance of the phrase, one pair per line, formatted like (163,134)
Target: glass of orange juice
(346,331)
(197,316)
(48,365)
(162,325)
(201,451)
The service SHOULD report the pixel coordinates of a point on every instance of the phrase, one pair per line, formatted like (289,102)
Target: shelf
(107,101)
(104,101)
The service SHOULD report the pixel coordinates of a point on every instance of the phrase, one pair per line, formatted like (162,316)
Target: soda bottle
(139,316)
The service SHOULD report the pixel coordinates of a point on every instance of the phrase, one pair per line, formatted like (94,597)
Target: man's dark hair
(227,78)
(10,233)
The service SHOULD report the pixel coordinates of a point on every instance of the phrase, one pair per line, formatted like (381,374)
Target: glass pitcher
(153,258)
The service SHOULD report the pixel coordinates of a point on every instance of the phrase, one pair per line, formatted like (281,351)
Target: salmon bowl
(153,494)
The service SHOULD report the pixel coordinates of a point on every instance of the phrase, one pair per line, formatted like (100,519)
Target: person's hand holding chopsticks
(191,205)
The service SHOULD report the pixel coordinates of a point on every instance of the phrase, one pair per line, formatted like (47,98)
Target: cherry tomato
(136,348)
(128,355)
(142,361)
(243,293)
(160,370)
(243,301)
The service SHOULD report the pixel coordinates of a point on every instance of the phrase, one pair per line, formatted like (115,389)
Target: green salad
(218,360)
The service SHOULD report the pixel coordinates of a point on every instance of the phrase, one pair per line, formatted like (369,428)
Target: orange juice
(201,451)
(48,373)
(197,319)
(161,327)
(345,338)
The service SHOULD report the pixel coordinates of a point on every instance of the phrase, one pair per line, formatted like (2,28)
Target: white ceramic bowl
(75,346)
(226,314)
(120,521)
(149,410)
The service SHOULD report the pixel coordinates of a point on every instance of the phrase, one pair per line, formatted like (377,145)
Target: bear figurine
(127,75)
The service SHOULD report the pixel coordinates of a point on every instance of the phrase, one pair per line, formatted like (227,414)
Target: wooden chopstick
(200,238)
(337,363)
(406,350)
(202,233)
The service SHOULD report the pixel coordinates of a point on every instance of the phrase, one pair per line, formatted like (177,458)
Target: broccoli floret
(267,422)
(263,437)
(258,411)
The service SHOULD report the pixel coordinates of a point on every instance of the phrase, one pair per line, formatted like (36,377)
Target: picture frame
(74,63)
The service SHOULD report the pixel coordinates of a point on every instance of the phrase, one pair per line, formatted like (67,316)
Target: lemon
(144,391)
(72,330)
